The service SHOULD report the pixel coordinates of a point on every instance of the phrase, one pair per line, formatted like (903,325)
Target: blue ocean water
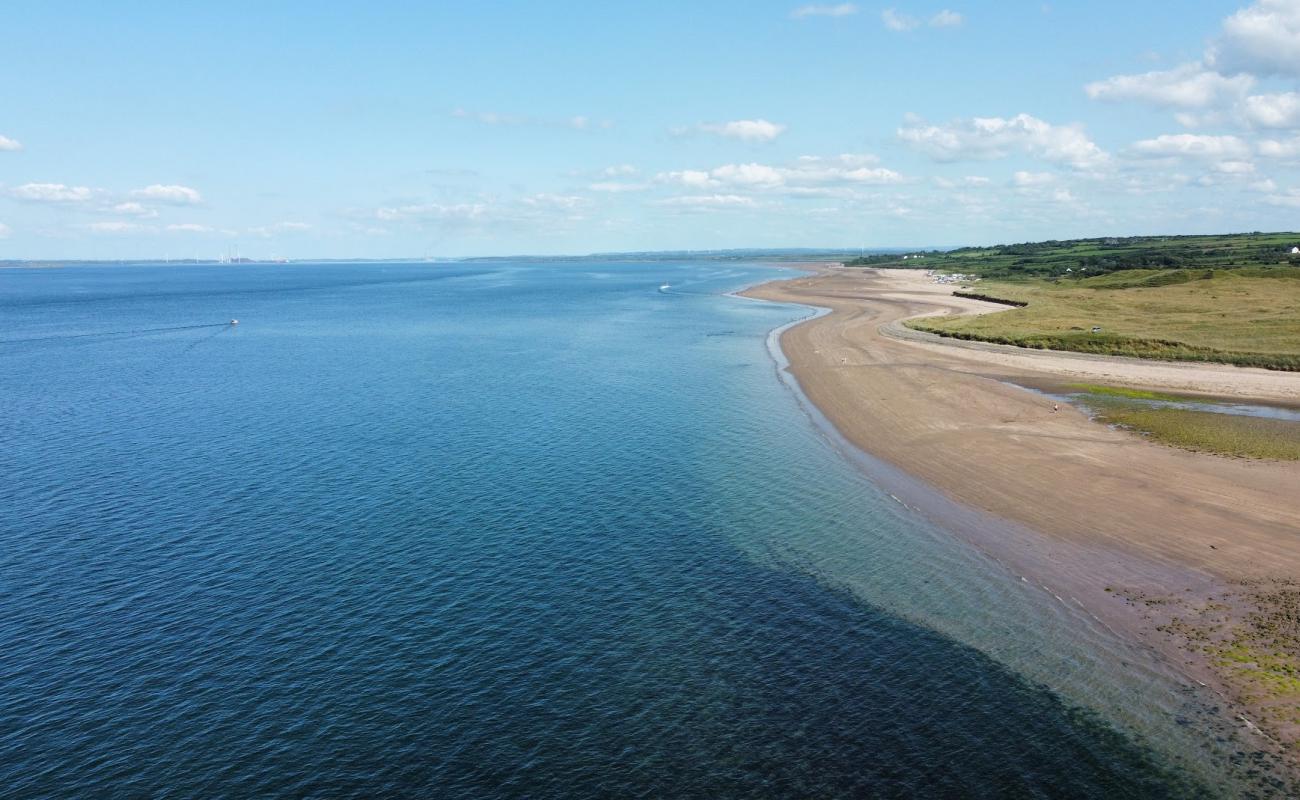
(495,530)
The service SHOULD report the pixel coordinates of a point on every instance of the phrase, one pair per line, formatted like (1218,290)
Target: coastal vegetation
(1076,258)
(1248,316)
(1257,653)
(1188,423)
(1208,431)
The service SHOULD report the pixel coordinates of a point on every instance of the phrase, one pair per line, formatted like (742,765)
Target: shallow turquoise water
(500,530)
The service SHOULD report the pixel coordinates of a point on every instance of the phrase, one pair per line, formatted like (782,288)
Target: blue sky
(405,129)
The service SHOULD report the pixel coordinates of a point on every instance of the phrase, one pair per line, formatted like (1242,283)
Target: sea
(506,529)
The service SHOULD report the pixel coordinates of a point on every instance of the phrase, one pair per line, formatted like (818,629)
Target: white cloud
(710,201)
(5,230)
(896,21)
(189,227)
(748,175)
(1273,110)
(946,19)
(1203,119)
(9,145)
(52,193)
(1289,199)
(433,212)
(1233,167)
(967,181)
(555,201)
(1023,179)
(1188,145)
(117,227)
(615,187)
(994,137)
(805,174)
(1273,148)
(133,209)
(694,178)
(1064,196)
(1261,39)
(747,130)
(840,10)
(1187,86)
(618,171)
(846,168)
(173,194)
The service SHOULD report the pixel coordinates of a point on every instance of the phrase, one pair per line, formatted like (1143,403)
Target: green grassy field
(1086,257)
(1247,316)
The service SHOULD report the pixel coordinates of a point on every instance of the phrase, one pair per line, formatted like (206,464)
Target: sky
(414,129)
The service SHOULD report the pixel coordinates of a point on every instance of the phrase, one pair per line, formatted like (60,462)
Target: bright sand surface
(1102,514)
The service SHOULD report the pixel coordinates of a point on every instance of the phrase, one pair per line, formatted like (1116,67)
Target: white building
(1295,251)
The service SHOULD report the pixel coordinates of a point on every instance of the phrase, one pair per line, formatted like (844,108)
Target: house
(1295,251)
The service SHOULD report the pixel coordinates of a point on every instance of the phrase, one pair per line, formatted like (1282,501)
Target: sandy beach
(1143,536)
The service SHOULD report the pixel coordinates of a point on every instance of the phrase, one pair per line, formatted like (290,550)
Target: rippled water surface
(500,530)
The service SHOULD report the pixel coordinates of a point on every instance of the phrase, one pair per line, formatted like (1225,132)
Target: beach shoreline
(1157,545)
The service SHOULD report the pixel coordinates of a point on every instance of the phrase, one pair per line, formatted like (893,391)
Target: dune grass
(1248,317)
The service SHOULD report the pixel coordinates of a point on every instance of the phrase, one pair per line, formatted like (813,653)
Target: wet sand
(1138,534)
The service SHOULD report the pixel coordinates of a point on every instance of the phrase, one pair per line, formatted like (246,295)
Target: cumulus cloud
(1253,43)
(5,231)
(840,10)
(117,227)
(1261,39)
(896,20)
(171,194)
(1023,179)
(703,201)
(615,187)
(966,181)
(52,193)
(1289,199)
(133,209)
(1281,149)
(983,138)
(1187,145)
(805,173)
(747,130)
(9,145)
(559,202)
(1187,86)
(433,212)
(1273,110)
(1233,167)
